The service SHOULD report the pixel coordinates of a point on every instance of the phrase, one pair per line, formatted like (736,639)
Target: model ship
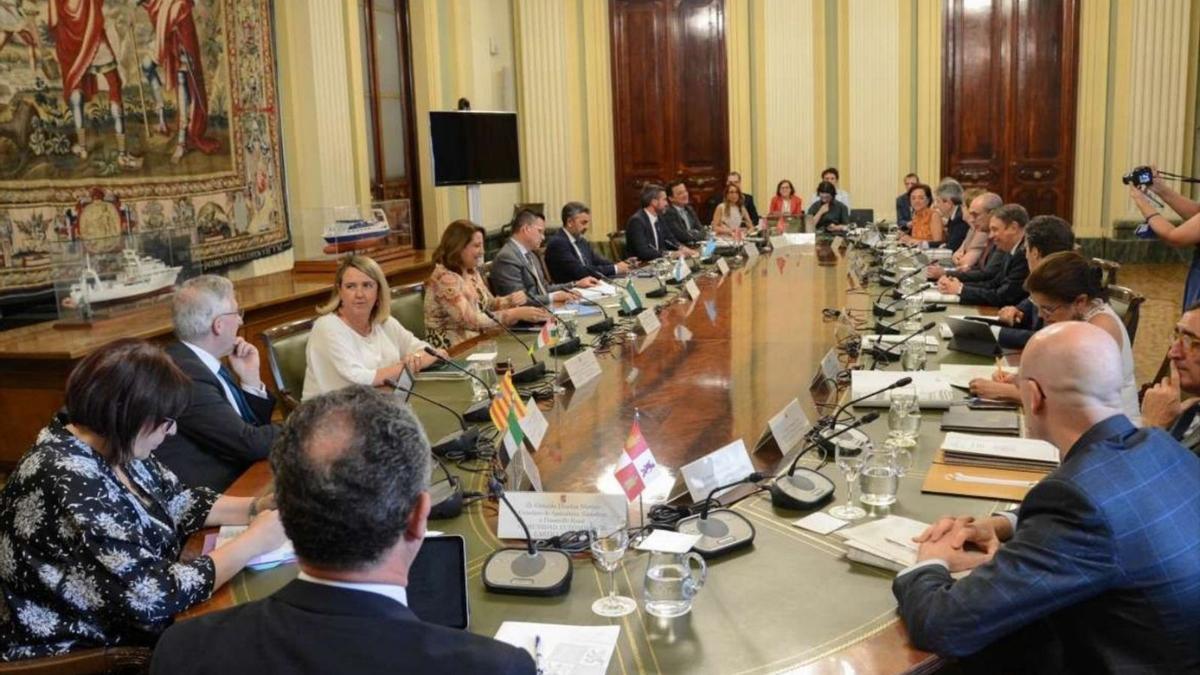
(356,233)
(140,275)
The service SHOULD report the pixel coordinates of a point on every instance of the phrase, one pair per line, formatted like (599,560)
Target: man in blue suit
(1105,551)
(570,256)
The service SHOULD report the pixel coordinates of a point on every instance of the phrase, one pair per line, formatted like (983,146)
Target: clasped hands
(963,542)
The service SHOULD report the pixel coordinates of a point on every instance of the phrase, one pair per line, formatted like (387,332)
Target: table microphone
(525,571)
(600,326)
(446,496)
(888,354)
(533,371)
(832,420)
(896,282)
(721,530)
(804,489)
(881,310)
(890,327)
(478,411)
(462,441)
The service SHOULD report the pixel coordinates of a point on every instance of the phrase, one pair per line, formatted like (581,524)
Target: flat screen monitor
(474,147)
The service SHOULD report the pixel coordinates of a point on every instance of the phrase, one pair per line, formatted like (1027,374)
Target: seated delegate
(1007,227)
(356,340)
(92,526)
(1099,571)
(974,259)
(570,256)
(927,228)
(457,301)
(827,214)
(1162,405)
(731,215)
(785,204)
(1044,236)
(517,266)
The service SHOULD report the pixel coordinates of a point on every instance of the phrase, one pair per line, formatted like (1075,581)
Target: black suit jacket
(213,445)
(903,210)
(565,266)
(956,230)
(1015,336)
(639,239)
(686,230)
(1008,288)
(312,628)
(983,271)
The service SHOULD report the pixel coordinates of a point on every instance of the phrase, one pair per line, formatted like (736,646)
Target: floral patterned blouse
(454,305)
(83,562)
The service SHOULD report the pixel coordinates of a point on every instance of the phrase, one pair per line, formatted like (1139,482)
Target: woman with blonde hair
(458,304)
(356,340)
(731,214)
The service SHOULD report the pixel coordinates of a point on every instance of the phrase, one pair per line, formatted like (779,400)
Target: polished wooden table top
(717,370)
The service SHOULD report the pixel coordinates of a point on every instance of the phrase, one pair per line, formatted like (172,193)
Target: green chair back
(408,307)
(286,354)
(616,245)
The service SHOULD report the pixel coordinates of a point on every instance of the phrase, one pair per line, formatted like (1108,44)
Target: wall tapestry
(165,107)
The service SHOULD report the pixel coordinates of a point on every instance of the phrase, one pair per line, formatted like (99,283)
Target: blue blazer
(1106,549)
(307,628)
(564,264)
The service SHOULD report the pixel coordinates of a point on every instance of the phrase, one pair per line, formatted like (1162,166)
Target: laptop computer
(972,337)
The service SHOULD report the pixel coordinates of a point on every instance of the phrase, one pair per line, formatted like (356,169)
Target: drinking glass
(607,552)
(849,455)
(483,369)
(912,312)
(904,416)
(914,354)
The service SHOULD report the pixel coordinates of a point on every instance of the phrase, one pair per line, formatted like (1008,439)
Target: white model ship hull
(142,275)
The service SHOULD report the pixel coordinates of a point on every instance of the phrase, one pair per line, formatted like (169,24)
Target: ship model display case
(381,230)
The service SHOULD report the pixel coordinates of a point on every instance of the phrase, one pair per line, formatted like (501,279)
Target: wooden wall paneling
(973,105)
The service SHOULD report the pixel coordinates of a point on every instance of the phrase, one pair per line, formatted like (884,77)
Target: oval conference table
(718,369)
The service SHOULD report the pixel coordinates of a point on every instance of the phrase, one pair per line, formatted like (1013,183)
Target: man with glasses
(1162,405)
(227,425)
(1099,570)
(976,258)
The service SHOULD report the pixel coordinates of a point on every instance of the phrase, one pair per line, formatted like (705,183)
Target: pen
(537,654)
(999,365)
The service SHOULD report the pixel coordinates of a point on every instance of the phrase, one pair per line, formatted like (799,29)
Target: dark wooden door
(669,97)
(1008,110)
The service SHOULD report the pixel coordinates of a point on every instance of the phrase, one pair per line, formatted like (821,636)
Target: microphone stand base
(882,310)
(804,490)
(461,442)
(601,327)
(512,571)
(447,498)
(724,531)
(478,412)
(656,293)
(531,373)
(639,310)
(566,347)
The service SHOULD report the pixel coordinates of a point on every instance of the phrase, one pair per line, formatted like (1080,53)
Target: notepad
(961,376)
(279,556)
(933,390)
(563,649)
(600,290)
(999,453)
(937,296)
(885,543)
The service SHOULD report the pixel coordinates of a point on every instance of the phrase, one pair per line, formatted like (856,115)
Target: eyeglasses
(1046,310)
(241,314)
(1190,342)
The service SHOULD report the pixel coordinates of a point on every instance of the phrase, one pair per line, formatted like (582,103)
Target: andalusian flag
(681,270)
(630,300)
(548,336)
(636,466)
(507,400)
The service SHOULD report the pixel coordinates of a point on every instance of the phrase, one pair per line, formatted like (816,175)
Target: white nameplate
(751,252)
(649,322)
(549,514)
(722,266)
(583,368)
(692,289)
(830,367)
(719,467)
(534,425)
(789,426)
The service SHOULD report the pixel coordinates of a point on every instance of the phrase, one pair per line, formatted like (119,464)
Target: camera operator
(1185,234)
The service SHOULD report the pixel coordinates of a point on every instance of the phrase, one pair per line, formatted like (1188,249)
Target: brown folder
(938,480)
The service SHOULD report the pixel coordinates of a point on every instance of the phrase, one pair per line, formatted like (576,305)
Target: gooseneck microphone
(888,354)
(837,414)
(804,489)
(600,326)
(889,328)
(478,411)
(526,570)
(721,530)
(532,372)
(462,441)
(446,496)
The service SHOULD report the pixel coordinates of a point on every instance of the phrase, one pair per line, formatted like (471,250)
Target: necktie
(654,229)
(578,251)
(243,406)
(531,260)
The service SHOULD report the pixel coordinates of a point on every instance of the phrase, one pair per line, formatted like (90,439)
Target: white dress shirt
(571,238)
(339,357)
(397,593)
(212,363)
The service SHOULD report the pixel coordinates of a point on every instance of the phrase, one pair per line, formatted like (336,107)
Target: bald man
(1106,549)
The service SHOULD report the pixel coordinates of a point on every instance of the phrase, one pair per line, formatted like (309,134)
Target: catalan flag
(506,400)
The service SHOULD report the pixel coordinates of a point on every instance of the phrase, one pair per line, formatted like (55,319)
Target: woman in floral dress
(91,527)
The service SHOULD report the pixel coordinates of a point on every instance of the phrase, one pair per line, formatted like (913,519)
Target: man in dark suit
(948,200)
(1173,403)
(1105,550)
(351,474)
(570,256)
(647,237)
(227,425)
(1044,235)
(517,266)
(734,178)
(1007,288)
(974,254)
(680,217)
(903,205)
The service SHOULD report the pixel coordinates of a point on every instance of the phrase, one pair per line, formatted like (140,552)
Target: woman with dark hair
(927,226)
(457,300)
(827,214)
(785,203)
(731,214)
(1067,286)
(91,526)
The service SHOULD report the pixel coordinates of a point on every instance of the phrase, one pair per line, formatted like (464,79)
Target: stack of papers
(562,649)
(283,554)
(869,341)
(600,290)
(885,543)
(933,389)
(937,296)
(999,453)
(961,376)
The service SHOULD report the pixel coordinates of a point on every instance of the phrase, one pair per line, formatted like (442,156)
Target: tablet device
(972,337)
(437,582)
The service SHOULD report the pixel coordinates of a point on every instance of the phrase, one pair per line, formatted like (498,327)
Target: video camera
(1141,176)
